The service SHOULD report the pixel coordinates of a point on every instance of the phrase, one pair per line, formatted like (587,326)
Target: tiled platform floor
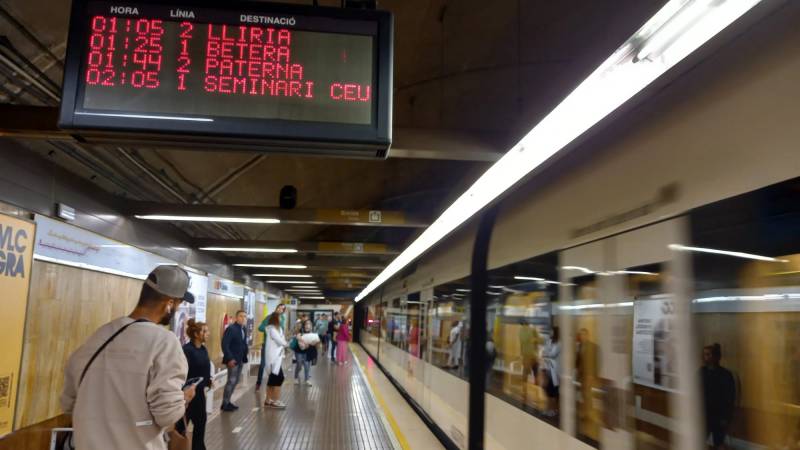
(337,412)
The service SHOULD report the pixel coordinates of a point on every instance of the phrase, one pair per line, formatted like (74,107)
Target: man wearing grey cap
(124,386)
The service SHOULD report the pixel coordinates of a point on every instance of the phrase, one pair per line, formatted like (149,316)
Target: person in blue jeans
(234,356)
(303,354)
(280,310)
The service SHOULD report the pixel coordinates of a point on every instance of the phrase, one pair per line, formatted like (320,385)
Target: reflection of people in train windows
(551,355)
(529,350)
(413,338)
(454,341)
(586,371)
(719,395)
(663,353)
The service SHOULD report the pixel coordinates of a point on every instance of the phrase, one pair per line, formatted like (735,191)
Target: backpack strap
(102,347)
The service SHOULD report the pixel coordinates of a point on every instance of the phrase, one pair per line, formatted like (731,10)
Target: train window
(745,255)
(647,337)
(523,351)
(414,322)
(449,326)
(373,320)
(396,324)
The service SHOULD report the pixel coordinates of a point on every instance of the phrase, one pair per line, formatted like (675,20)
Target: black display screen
(238,69)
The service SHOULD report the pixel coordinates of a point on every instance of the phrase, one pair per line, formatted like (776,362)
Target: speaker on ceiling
(288,197)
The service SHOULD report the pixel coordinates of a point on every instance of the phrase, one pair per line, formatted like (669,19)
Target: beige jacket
(131,392)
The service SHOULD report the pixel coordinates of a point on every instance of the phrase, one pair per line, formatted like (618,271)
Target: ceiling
(471,77)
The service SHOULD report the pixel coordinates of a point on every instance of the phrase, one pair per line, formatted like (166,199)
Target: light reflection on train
(632,341)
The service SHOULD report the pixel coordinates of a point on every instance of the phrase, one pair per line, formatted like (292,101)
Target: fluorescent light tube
(249,250)
(677,247)
(579,268)
(290,282)
(207,219)
(614,82)
(518,277)
(273,266)
(311,298)
(281,275)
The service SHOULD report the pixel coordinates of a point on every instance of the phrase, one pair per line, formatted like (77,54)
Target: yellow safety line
(389,417)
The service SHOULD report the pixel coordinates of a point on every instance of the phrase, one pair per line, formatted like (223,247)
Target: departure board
(240,69)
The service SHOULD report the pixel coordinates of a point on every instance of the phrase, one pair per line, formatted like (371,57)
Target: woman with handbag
(199,367)
(274,350)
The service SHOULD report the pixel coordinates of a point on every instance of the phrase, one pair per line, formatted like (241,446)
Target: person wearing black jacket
(234,355)
(719,395)
(199,366)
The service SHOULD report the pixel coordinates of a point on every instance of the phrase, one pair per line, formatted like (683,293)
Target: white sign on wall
(653,352)
(227,288)
(198,286)
(66,244)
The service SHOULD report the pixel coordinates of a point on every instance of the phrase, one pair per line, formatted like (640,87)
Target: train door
(627,321)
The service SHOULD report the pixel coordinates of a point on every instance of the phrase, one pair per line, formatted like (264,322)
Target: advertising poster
(653,353)
(16,256)
(250,309)
(198,285)
(62,243)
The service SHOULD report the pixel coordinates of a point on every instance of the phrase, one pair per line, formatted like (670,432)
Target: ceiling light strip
(180,218)
(248,250)
(272,266)
(624,74)
(281,275)
(678,247)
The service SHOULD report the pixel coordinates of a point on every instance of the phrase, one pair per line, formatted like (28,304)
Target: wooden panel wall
(216,309)
(65,306)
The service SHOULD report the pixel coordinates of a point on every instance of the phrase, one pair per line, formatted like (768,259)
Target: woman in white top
(551,353)
(274,350)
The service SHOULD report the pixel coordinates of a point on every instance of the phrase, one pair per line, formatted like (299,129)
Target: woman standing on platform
(274,350)
(199,366)
(303,353)
(342,338)
(280,309)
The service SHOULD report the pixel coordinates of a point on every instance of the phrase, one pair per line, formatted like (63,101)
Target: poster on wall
(62,243)
(654,359)
(198,286)
(250,309)
(16,255)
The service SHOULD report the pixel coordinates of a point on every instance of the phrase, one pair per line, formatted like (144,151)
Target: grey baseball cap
(171,281)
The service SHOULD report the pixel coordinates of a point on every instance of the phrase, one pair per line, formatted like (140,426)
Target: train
(643,293)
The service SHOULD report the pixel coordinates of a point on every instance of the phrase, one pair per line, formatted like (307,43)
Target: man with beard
(124,386)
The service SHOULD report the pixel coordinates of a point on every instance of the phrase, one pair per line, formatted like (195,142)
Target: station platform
(345,408)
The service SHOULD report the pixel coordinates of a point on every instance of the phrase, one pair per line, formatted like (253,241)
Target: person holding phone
(124,386)
(199,375)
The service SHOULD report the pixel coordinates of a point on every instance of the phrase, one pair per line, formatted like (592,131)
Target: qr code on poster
(5,391)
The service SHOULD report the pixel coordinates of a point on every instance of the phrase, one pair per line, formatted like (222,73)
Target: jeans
(262,365)
(233,379)
(196,413)
(333,350)
(302,363)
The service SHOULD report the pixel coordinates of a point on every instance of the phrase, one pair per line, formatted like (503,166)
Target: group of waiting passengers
(131,385)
